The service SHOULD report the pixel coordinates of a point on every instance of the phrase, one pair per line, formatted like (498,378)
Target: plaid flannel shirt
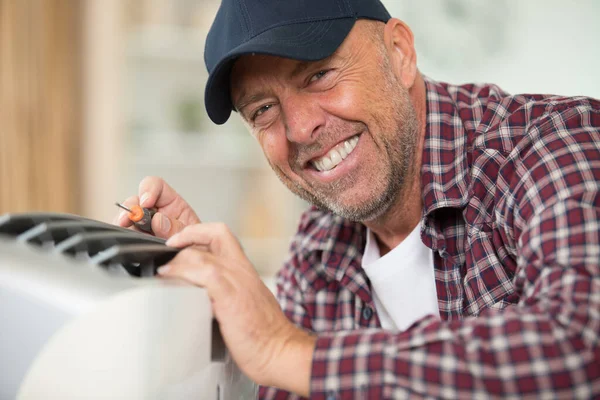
(511,198)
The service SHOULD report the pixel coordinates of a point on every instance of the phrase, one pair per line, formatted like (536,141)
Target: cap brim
(310,41)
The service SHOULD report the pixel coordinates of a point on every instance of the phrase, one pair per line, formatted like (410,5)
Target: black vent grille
(111,247)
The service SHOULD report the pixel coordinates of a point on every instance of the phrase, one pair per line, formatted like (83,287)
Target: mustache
(300,153)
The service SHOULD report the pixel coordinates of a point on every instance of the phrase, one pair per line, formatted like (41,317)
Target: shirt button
(367,313)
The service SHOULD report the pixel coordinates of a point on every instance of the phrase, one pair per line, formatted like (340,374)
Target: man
(454,247)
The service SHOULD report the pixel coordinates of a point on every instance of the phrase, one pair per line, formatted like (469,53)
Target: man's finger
(216,236)
(165,227)
(198,234)
(198,268)
(155,192)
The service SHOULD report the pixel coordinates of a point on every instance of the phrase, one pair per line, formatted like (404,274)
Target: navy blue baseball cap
(306,30)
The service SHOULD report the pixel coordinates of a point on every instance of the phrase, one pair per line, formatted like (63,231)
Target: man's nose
(303,118)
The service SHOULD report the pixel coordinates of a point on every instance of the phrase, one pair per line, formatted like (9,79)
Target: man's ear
(399,42)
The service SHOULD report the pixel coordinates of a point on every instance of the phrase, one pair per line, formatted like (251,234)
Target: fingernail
(170,240)
(143,199)
(165,224)
(163,270)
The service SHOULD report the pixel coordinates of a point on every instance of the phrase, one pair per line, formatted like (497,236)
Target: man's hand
(263,342)
(173,213)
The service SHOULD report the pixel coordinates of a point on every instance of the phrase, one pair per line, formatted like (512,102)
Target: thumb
(165,227)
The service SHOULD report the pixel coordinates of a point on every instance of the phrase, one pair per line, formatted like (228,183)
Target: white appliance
(83,317)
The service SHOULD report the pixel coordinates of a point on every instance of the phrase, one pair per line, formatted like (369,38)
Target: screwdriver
(141,217)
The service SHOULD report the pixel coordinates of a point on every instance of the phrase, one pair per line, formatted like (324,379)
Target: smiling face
(340,133)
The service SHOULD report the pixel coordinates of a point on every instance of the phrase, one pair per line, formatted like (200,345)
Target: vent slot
(14,224)
(58,231)
(140,259)
(111,247)
(94,242)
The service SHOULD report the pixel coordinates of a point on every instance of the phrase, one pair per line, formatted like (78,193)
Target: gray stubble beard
(400,151)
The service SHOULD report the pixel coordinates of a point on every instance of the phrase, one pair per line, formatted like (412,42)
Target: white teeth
(348,146)
(343,152)
(335,155)
(326,164)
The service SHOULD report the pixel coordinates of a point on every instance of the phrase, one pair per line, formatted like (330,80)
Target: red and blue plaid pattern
(511,195)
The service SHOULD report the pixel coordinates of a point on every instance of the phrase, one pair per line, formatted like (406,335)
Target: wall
(535,46)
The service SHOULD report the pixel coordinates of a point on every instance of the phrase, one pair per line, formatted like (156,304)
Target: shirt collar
(444,171)
(322,239)
(332,247)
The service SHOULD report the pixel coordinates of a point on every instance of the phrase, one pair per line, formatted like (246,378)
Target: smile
(336,155)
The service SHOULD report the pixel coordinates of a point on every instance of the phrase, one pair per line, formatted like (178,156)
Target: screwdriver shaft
(123,207)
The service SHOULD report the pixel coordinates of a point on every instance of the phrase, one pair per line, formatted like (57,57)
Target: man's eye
(261,111)
(319,75)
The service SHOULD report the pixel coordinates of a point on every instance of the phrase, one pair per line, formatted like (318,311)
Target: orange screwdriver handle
(142,217)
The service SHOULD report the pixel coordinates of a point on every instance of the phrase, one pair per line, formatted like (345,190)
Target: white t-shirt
(402,281)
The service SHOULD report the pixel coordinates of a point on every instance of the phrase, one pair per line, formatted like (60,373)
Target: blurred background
(95,95)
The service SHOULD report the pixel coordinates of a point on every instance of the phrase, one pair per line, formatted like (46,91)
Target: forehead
(250,72)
